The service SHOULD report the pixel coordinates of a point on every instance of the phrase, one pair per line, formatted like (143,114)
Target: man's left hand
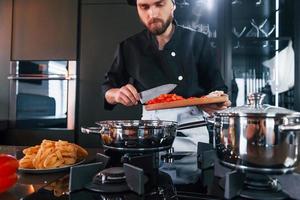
(211,108)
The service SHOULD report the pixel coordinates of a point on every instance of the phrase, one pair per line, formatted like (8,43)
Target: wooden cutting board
(186,102)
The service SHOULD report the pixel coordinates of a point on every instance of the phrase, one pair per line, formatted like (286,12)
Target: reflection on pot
(259,131)
(284,155)
(59,187)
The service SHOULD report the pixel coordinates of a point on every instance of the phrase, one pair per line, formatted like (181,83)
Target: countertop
(184,171)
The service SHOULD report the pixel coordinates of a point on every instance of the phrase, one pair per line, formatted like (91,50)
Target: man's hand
(211,108)
(126,95)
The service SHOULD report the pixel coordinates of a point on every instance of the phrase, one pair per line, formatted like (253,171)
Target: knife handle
(131,80)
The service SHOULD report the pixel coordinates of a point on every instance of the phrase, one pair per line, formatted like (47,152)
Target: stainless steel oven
(42,94)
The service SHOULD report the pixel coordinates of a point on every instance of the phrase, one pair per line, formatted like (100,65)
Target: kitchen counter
(189,180)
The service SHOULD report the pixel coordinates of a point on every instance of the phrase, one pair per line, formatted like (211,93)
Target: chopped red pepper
(163,98)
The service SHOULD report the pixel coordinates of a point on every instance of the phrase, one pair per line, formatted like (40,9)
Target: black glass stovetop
(181,176)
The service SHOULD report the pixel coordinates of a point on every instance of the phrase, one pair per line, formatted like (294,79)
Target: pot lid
(255,108)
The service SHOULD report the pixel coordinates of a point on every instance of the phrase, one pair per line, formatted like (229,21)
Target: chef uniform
(186,60)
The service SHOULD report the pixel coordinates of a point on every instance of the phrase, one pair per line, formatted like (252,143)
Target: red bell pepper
(8,169)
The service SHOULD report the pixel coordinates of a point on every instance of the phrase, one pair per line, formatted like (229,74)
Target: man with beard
(164,53)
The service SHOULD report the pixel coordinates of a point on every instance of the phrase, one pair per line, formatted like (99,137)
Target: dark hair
(133,2)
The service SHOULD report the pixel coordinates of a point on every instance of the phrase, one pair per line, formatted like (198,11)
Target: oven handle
(44,77)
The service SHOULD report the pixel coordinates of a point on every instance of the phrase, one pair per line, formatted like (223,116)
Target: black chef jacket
(187,60)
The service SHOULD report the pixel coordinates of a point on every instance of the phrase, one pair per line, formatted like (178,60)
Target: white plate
(51,170)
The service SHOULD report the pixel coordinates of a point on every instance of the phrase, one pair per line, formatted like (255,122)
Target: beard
(157,26)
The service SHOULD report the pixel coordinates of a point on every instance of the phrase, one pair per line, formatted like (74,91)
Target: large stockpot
(258,138)
(135,135)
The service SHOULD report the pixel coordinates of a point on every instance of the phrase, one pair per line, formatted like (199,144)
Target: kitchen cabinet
(261,50)
(103,26)
(44,30)
(41,30)
(5,38)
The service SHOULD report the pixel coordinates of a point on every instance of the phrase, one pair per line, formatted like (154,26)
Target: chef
(165,53)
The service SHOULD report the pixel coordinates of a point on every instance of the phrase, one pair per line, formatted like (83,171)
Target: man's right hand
(126,95)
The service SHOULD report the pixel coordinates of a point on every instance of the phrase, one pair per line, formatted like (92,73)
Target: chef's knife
(155,92)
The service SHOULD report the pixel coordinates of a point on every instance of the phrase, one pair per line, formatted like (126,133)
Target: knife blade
(155,92)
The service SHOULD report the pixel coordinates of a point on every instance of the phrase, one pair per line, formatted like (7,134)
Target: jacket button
(180,78)
(173,54)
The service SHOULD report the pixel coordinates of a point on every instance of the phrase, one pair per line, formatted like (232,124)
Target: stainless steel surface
(255,108)
(252,141)
(258,169)
(154,92)
(42,77)
(135,135)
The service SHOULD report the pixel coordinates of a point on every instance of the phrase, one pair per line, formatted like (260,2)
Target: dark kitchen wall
(103,25)
(5,42)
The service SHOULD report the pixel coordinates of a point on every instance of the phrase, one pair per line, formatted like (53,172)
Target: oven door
(42,94)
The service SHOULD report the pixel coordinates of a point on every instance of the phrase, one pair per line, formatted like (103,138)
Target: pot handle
(93,130)
(210,119)
(197,124)
(290,123)
(289,127)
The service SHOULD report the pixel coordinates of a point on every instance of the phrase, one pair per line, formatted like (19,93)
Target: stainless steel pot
(258,138)
(135,135)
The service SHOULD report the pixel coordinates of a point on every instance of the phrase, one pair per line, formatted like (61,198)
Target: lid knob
(256,99)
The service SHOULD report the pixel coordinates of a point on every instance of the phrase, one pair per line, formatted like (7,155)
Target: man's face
(156,15)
